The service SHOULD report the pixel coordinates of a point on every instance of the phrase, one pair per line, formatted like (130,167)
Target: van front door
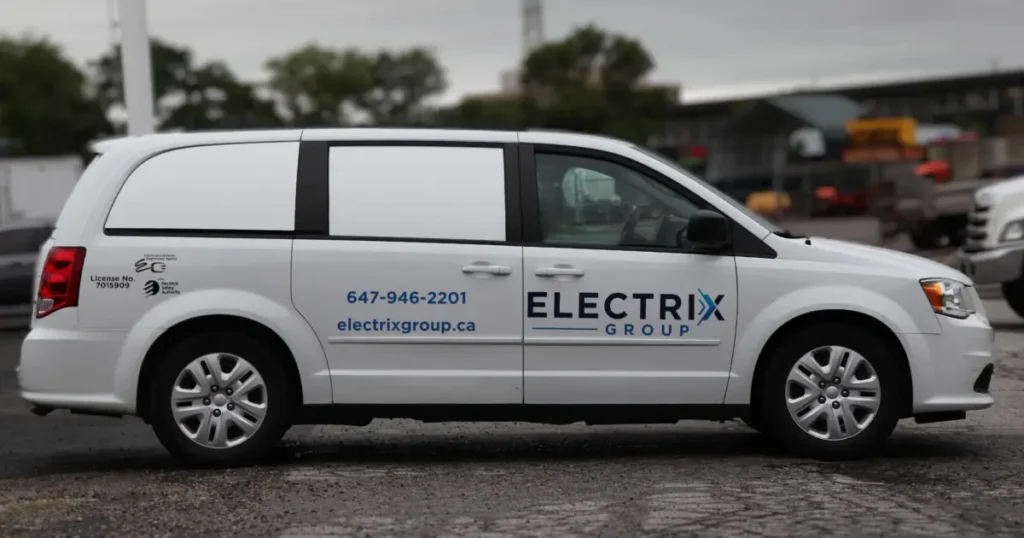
(617,309)
(414,292)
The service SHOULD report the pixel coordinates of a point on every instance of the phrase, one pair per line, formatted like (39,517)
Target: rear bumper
(72,369)
(952,370)
(992,266)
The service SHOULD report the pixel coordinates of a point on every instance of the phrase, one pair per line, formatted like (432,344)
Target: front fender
(754,329)
(310,359)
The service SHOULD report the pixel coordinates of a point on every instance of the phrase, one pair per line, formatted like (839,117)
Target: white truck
(994,251)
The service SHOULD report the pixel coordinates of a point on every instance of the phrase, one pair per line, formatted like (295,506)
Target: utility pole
(136,69)
(533,26)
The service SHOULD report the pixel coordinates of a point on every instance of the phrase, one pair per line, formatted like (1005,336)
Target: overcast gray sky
(712,47)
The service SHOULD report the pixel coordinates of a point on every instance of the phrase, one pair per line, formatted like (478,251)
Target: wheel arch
(842,317)
(216,323)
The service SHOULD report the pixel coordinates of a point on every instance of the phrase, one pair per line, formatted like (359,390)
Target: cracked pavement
(78,476)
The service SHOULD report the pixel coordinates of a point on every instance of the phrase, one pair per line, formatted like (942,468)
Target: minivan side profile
(226,286)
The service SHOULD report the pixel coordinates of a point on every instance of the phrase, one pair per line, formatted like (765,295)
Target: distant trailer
(35,188)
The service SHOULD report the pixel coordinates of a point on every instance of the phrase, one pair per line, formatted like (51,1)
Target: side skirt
(361,415)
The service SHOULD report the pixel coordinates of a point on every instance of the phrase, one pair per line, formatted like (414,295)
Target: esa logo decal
(636,314)
(160,286)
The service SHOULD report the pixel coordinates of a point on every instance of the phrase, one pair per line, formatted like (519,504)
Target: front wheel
(831,392)
(219,399)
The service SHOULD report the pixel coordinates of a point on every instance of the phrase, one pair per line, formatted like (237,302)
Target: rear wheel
(831,392)
(218,399)
(1013,292)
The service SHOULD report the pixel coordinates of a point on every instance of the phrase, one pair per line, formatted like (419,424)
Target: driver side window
(585,201)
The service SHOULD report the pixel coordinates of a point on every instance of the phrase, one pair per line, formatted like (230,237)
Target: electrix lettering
(590,305)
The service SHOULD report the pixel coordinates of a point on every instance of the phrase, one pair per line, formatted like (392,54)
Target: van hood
(911,265)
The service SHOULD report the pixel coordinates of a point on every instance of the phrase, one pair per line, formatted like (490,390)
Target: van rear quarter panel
(140,285)
(248,278)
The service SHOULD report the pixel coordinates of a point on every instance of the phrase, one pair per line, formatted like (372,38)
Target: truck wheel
(925,238)
(1013,292)
(956,231)
(218,399)
(957,238)
(831,392)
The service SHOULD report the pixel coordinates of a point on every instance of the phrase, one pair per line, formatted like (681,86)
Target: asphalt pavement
(66,475)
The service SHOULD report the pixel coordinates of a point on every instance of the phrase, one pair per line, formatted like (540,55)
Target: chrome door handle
(487,269)
(558,271)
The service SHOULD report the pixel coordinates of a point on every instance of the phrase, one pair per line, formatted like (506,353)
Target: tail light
(60,280)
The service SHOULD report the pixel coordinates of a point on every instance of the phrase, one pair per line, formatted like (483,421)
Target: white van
(225,286)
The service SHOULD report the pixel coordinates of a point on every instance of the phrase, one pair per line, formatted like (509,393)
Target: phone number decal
(407,297)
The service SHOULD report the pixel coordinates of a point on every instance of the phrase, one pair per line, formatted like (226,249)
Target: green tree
(499,112)
(323,86)
(45,104)
(400,84)
(187,95)
(593,81)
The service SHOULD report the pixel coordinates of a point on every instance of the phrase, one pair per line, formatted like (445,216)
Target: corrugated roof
(827,112)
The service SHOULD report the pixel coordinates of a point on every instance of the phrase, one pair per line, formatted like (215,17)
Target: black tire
(773,401)
(926,238)
(276,421)
(754,422)
(957,236)
(1013,292)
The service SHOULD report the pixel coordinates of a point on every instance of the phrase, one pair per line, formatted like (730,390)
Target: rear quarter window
(239,187)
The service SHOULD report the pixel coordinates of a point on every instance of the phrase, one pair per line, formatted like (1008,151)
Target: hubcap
(833,393)
(208,413)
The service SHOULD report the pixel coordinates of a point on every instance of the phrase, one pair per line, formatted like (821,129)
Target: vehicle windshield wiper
(790,235)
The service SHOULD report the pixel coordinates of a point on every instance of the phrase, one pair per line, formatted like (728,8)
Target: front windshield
(769,225)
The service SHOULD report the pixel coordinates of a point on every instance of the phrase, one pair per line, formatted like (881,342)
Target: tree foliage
(45,105)
(593,81)
(324,86)
(186,95)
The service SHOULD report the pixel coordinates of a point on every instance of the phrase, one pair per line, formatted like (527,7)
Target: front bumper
(992,266)
(952,370)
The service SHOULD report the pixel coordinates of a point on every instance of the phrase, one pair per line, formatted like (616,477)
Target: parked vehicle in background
(36,187)
(994,252)
(931,208)
(20,244)
(769,203)
(33,191)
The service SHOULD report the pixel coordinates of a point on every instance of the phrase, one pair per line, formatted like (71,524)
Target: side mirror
(708,230)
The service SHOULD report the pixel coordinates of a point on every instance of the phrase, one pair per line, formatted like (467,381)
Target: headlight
(983,198)
(948,297)
(1013,231)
